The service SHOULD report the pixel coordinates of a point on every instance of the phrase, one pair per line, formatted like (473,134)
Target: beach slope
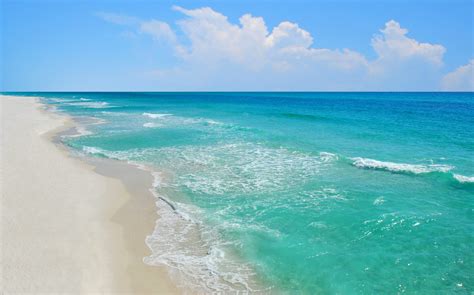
(61,222)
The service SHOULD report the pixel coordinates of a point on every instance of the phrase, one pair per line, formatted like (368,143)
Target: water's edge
(138,180)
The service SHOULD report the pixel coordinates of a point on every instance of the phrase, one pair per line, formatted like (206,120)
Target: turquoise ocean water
(315,193)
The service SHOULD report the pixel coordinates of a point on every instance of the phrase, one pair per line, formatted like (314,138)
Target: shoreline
(113,245)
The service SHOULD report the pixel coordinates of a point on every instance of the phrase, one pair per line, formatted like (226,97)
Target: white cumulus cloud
(216,54)
(249,44)
(393,43)
(289,35)
(461,79)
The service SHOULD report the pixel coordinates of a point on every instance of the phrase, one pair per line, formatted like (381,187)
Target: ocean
(309,193)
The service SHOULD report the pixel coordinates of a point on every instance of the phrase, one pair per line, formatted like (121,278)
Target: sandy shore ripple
(64,227)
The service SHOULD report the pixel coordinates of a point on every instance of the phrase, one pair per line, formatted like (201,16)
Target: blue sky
(146,45)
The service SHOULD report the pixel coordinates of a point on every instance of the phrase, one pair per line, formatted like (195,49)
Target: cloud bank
(214,54)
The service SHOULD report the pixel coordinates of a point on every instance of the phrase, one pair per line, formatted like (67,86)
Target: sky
(230,45)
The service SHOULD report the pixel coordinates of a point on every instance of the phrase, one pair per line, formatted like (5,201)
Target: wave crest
(90,104)
(365,163)
(152,125)
(155,116)
(463,179)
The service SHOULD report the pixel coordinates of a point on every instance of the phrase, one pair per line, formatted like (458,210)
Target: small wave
(398,167)
(91,104)
(152,125)
(177,121)
(212,122)
(463,179)
(56,100)
(60,100)
(155,116)
(327,157)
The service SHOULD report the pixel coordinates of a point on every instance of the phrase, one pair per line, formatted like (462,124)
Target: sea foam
(91,104)
(155,116)
(152,125)
(399,167)
(241,167)
(463,179)
(194,252)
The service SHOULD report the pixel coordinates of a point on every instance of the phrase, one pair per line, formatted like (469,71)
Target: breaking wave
(152,125)
(399,167)
(463,179)
(155,116)
(415,169)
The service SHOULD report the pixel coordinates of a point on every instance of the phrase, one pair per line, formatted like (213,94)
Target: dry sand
(65,226)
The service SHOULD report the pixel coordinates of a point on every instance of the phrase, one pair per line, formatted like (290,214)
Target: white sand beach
(64,227)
